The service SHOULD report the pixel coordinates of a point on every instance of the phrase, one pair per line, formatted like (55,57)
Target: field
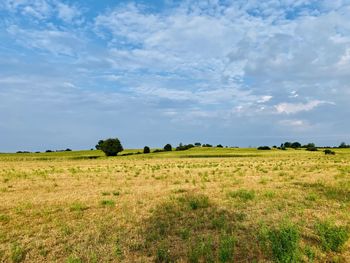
(199,205)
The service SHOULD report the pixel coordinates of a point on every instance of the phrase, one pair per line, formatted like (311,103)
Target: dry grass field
(199,205)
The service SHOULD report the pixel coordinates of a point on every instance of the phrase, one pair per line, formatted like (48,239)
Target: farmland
(198,205)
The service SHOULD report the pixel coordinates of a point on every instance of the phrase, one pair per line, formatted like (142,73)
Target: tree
(111,147)
(219,146)
(168,148)
(99,144)
(197,144)
(295,145)
(286,145)
(264,148)
(146,149)
(343,145)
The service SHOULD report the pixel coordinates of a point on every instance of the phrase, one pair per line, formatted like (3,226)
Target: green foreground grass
(199,205)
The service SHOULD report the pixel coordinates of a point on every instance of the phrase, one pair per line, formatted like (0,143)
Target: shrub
(312,149)
(329,152)
(283,242)
(146,149)
(168,148)
(219,146)
(158,151)
(207,145)
(111,147)
(332,237)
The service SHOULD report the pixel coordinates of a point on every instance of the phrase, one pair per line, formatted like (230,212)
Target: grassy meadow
(198,205)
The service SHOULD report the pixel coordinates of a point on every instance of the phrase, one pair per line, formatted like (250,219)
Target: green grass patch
(281,243)
(108,203)
(332,237)
(243,194)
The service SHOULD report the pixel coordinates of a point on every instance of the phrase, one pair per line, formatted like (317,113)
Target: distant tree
(111,147)
(311,147)
(295,145)
(219,146)
(286,145)
(207,145)
(182,147)
(264,148)
(168,147)
(146,149)
(197,144)
(344,145)
(68,150)
(49,151)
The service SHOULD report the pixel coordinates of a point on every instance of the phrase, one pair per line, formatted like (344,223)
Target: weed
(310,253)
(107,203)
(226,249)
(332,237)
(78,207)
(4,218)
(163,254)
(196,201)
(73,259)
(243,194)
(18,253)
(282,242)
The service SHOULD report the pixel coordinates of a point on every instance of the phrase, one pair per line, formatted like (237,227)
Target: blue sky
(243,73)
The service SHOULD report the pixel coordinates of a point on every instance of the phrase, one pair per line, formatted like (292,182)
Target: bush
(111,147)
(332,237)
(168,148)
(146,149)
(207,145)
(264,148)
(329,152)
(312,149)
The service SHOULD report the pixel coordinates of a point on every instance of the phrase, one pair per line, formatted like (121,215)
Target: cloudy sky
(237,72)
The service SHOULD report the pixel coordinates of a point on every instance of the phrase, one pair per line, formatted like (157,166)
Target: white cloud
(292,108)
(54,41)
(66,12)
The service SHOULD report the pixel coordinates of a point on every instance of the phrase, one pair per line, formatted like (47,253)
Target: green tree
(146,149)
(111,146)
(168,147)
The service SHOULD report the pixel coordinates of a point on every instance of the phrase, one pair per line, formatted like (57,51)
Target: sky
(237,73)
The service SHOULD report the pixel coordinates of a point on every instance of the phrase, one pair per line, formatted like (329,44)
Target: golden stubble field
(221,205)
